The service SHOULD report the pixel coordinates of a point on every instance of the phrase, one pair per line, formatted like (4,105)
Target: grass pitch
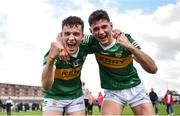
(127,111)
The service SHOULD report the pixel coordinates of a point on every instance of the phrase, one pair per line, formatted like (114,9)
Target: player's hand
(63,55)
(116,33)
(55,50)
(123,40)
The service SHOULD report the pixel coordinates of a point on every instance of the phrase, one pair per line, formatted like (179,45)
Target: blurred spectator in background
(9,104)
(85,93)
(168,102)
(154,99)
(91,100)
(1,106)
(100,100)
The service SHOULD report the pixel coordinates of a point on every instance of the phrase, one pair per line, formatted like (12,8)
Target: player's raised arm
(142,58)
(48,71)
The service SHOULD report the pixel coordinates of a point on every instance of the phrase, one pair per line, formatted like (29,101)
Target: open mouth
(102,38)
(71,45)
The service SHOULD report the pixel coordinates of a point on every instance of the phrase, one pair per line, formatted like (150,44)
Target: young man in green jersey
(118,75)
(61,79)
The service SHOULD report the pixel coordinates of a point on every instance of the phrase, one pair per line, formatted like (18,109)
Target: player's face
(72,35)
(101,29)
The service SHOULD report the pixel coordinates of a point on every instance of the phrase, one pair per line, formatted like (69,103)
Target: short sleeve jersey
(116,66)
(67,83)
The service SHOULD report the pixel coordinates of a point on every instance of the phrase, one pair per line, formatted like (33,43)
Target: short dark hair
(97,15)
(73,21)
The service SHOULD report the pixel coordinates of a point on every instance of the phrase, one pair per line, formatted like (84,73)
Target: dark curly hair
(73,21)
(97,15)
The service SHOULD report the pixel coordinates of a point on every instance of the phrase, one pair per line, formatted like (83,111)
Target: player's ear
(82,36)
(61,34)
(58,36)
(111,24)
(90,30)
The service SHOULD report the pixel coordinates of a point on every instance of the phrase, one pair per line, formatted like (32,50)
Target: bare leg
(144,109)
(78,113)
(52,113)
(111,108)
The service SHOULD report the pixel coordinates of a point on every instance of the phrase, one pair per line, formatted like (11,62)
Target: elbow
(154,70)
(151,69)
(45,87)
(46,82)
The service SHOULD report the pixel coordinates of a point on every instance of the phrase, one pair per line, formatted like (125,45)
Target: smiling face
(101,29)
(71,36)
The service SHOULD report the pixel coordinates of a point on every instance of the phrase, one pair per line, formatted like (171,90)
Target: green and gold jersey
(67,83)
(116,66)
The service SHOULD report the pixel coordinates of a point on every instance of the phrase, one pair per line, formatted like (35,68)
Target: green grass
(34,113)
(161,110)
(127,111)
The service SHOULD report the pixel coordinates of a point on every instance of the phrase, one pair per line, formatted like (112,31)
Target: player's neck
(111,43)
